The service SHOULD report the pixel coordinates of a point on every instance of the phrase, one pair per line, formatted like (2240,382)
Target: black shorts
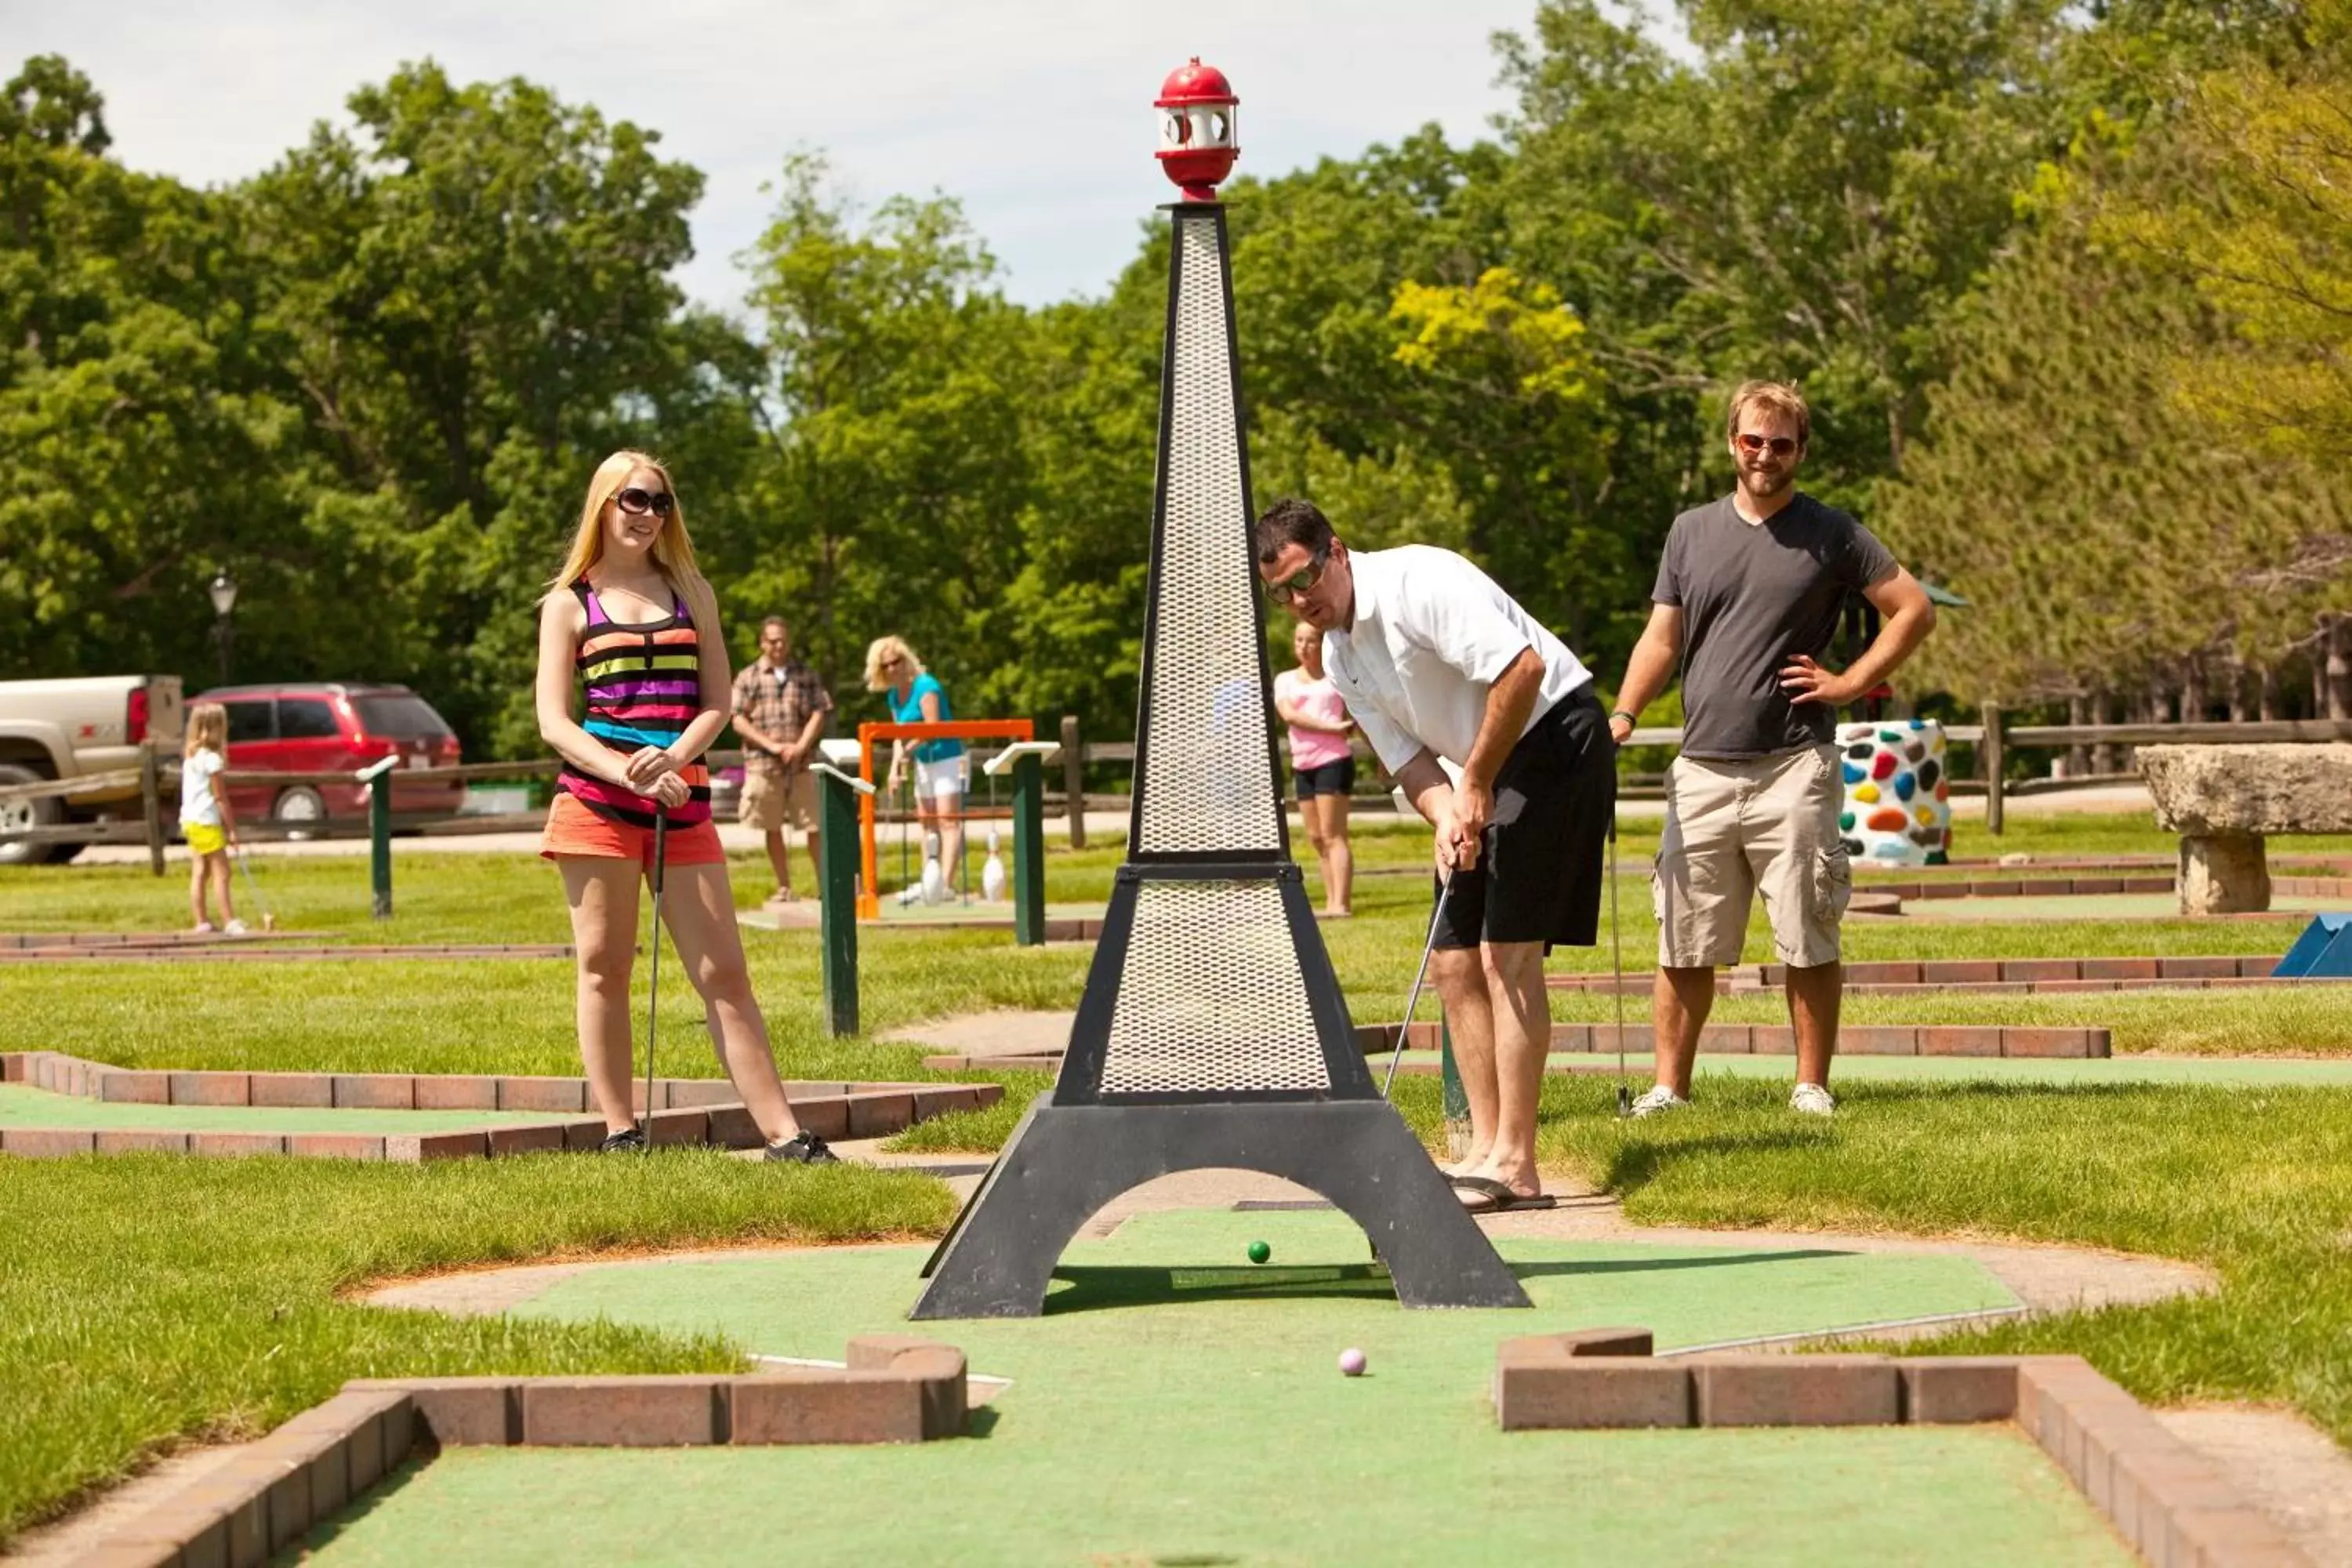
(1545,851)
(1332,778)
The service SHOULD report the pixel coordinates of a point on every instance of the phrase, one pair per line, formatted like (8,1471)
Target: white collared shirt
(1432,634)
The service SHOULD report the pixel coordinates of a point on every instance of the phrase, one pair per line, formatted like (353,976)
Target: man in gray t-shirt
(1747,597)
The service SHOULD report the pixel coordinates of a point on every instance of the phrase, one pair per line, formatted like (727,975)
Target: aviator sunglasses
(1779,446)
(1302,581)
(637,502)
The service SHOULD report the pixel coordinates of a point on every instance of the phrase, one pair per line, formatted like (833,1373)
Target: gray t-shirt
(1753,596)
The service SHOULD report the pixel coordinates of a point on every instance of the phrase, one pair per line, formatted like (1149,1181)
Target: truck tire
(16,816)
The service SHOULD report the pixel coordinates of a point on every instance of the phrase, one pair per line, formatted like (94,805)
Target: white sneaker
(1659,1099)
(1812,1100)
(235,928)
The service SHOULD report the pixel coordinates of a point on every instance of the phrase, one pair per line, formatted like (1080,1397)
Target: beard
(1763,486)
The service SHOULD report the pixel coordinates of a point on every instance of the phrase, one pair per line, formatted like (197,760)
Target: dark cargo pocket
(1832,882)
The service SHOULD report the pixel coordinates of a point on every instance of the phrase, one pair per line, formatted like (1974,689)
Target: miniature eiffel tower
(1211,1031)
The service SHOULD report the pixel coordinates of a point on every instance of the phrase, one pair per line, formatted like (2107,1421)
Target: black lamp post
(223,593)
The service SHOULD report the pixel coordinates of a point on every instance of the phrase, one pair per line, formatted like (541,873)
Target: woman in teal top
(916,697)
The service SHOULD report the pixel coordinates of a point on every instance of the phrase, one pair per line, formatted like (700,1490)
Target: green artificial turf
(1180,1285)
(1177,1403)
(1370,1487)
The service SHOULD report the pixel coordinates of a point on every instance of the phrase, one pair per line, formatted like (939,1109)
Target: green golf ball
(1259,1252)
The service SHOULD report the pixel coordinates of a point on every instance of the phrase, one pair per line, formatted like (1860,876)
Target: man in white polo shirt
(1445,673)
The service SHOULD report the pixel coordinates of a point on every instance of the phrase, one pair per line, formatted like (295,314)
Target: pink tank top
(1313,748)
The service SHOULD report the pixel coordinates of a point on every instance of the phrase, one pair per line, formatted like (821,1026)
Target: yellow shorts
(204,838)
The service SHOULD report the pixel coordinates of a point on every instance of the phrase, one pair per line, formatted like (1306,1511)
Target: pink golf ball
(1352,1362)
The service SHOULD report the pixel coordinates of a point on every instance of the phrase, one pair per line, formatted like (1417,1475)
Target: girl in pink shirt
(1321,762)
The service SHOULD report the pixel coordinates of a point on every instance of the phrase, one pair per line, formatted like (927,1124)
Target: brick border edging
(225,953)
(57,941)
(1980,971)
(1587,1040)
(895,1389)
(2170,1503)
(1059,928)
(692,1111)
(1781,1039)
(1946,973)
(1928,888)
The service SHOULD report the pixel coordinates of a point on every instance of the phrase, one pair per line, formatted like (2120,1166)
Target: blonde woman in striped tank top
(631,618)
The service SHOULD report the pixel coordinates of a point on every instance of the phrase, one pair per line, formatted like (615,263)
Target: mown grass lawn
(144,1302)
(2254,1182)
(148,1299)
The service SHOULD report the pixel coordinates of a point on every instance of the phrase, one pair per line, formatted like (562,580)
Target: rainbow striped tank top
(644,686)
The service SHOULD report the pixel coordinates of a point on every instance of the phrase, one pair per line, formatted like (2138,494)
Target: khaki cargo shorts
(769,800)
(1736,828)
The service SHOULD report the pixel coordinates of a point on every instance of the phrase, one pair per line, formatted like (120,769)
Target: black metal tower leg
(1066,1163)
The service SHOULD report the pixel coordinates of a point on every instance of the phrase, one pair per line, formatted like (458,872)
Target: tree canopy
(2068,288)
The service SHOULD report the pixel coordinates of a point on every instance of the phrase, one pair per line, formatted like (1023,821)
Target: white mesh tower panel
(1208,778)
(1209,997)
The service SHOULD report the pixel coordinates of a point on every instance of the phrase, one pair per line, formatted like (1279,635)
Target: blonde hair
(1775,397)
(673,549)
(207,729)
(881,649)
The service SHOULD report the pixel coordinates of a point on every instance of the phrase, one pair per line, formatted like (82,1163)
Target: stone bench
(2225,801)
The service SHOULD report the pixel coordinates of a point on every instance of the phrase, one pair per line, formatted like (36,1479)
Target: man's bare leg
(780,859)
(1461,983)
(1521,1014)
(1680,1001)
(817,864)
(1814,995)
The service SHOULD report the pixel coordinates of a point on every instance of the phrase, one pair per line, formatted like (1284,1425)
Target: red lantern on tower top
(1197,140)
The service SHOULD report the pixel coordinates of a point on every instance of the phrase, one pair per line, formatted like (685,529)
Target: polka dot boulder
(1898,802)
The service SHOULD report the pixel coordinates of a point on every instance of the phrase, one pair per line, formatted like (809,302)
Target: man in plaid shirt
(780,711)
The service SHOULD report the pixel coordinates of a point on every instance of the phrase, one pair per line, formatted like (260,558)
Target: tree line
(2068,287)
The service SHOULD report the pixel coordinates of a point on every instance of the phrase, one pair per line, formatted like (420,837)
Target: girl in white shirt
(204,817)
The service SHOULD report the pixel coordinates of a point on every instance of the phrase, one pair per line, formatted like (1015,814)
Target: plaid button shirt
(777,702)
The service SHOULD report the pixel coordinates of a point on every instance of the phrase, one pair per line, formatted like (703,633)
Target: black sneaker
(804,1149)
(627,1140)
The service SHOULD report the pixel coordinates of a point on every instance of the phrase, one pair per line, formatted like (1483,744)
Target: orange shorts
(574,831)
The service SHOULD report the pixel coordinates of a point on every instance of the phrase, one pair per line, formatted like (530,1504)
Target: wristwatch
(1633,719)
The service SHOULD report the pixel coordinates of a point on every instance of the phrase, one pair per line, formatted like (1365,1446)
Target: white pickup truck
(88,727)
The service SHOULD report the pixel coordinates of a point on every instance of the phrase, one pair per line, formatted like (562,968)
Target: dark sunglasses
(637,502)
(1780,445)
(1285,589)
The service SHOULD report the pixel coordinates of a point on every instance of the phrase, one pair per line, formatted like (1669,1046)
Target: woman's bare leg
(700,913)
(927,822)
(602,893)
(1339,855)
(950,811)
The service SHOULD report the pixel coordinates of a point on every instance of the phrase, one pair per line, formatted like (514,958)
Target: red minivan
(329,727)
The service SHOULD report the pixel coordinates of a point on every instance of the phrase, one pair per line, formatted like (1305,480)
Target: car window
(400,718)
(249,721)
(306,719)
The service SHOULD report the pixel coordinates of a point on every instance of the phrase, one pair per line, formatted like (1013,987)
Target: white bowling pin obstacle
(992,876)
(935,882)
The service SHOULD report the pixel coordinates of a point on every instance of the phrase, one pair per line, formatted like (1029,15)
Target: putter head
(1624,1100)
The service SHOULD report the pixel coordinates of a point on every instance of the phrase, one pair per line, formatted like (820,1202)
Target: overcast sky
(1036,115)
